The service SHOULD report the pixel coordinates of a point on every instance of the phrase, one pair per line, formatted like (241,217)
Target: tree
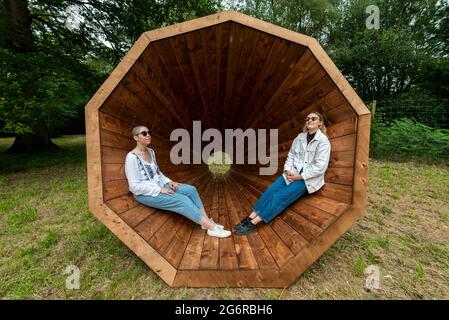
(386,62)
(311,17)
(55,53)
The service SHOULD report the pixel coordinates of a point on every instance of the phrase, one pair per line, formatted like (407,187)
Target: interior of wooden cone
(227,76)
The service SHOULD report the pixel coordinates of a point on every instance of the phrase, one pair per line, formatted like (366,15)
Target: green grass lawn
(45,226)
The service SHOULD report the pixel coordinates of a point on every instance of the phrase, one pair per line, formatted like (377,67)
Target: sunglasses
(145,133)
(311,118)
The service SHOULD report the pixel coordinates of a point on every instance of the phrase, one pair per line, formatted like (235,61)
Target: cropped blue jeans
(185,201)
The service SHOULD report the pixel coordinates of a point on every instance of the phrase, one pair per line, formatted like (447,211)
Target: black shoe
(245,229)
(243,222)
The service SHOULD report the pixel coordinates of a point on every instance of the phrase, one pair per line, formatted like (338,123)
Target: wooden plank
(340,175)
(210,51)
(122,203)
(192,253)
(211,245)
(309,255)
(137,214)
(305,228)
(132,101)
(315,215)
(159,99)
(346,127)
(162,238)
(119,110)
(222,35)
(328,205)
(293,84)
(264,45)
(343,143)
(115,188)
(278,49)
(175,249)
(248,39)
(233,59)
(194,47)
(340,113)
(116,140)
(264,252)
(337,192)
(230,278)
(228,256)
(245,256)
(251,194)
(361,164)
(169,60)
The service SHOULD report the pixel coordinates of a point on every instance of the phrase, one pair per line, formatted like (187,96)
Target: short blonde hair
(136,130)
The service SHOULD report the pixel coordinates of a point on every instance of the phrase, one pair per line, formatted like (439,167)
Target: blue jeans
(185,201)
(278,197)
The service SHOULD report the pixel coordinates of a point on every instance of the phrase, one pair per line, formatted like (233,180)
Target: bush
(406,139)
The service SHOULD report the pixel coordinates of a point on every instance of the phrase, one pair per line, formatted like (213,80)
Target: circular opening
(219,163)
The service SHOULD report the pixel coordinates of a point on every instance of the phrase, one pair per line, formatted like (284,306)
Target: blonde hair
(322,128)
(136,130)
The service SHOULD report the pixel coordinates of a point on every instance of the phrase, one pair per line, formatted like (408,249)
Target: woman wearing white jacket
(152,188)
(303,174)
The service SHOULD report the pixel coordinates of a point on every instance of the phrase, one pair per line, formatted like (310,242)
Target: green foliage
(36,93)
(311,17)
(406,139)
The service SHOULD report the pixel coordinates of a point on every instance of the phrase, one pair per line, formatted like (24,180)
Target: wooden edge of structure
(224,16)
(268,278)
(117,74)
(338,78)
(329,66)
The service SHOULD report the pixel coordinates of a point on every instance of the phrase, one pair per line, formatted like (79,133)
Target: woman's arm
(288,166)
(319,162)
(137,186)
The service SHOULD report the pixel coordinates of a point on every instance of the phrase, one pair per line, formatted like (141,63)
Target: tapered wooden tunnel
(231,71)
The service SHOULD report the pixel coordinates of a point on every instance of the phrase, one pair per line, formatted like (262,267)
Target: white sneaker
(219,225)
(218,232)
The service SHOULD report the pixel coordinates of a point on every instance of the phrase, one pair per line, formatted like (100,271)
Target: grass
(45,226)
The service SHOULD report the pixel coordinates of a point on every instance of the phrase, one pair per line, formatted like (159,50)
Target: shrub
(406,139)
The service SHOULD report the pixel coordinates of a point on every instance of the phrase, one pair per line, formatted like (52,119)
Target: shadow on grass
(73,152)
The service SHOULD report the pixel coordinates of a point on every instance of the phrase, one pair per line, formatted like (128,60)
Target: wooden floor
(228,200)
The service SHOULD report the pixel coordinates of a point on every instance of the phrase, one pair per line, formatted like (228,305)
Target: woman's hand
(174,185)
(293,177)
(167,191)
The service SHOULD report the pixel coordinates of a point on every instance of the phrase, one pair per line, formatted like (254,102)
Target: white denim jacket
(313,158)
(144,178)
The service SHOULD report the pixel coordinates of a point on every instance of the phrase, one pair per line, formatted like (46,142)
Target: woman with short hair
(152,188)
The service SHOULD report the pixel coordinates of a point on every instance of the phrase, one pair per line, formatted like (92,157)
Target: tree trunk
(19,39)
(32,143)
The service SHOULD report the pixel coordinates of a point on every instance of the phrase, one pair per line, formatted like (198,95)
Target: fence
(431,112)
